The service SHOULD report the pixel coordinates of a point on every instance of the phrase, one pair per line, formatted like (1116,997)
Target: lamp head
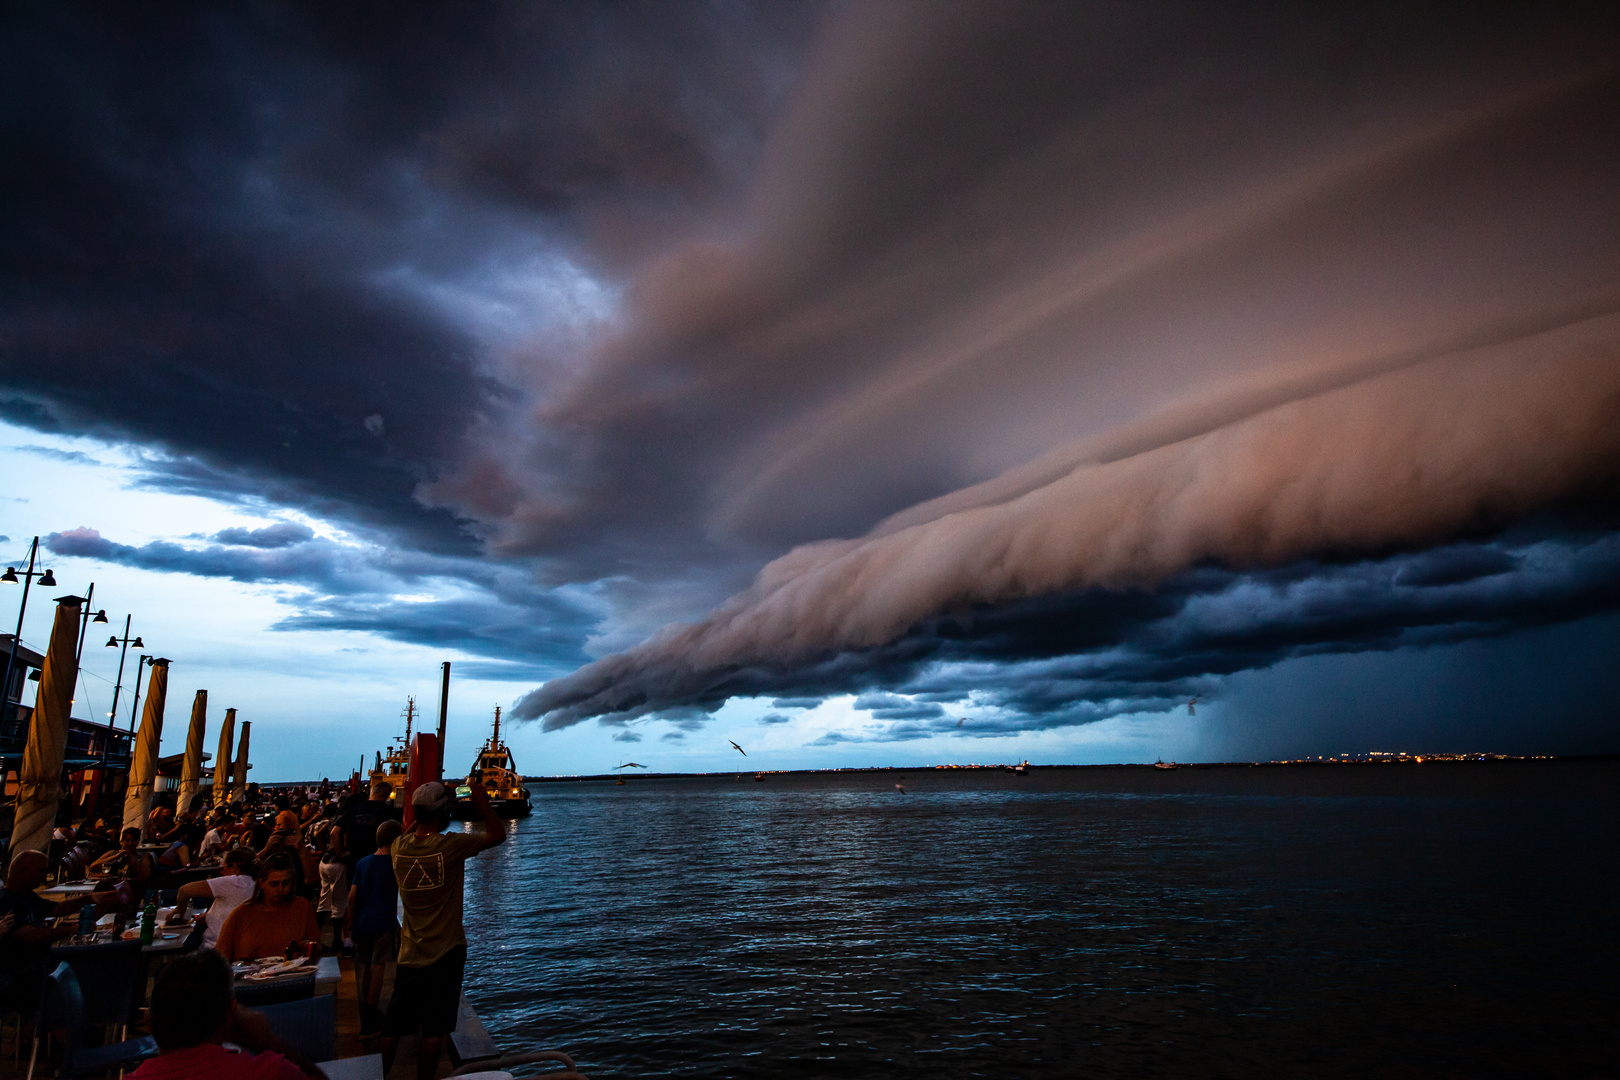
(33,676)
(101,616)
(48,580)
(10,575)
(112,643)
(137,643)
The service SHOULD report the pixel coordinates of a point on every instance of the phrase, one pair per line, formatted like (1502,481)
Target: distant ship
(1022,770)
(1161,764)
(497,771)
(393,768)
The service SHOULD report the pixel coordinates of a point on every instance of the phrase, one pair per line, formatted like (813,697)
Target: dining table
(165,938)
(326,970)
(67,889)
(364,1067)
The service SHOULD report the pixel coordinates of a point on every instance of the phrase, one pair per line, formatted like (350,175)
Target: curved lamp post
(47,579)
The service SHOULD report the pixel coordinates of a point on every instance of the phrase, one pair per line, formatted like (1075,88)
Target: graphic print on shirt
(420,871)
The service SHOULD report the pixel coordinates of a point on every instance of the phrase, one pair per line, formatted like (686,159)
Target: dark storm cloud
(365,588)
(224,229)
(885,706)
(280,535)
(1077,658)
(1124,305)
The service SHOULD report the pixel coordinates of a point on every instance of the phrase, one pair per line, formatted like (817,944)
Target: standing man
(360,819)
(429,866)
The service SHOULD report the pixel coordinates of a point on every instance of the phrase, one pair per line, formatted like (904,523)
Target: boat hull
(463,810)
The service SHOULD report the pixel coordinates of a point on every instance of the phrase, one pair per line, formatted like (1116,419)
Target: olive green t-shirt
(430,873)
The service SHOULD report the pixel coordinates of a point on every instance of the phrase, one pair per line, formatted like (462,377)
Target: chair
(74,864)
(108,975)
(308,1026)
(62,1009)
(282,990)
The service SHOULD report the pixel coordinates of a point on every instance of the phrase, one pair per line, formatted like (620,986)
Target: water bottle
(87,919)
(148,919)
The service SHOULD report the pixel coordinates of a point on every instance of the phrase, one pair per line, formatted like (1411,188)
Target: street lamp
(123,644)
(48,580)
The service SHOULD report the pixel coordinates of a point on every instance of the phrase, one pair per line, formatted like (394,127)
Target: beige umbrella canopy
(191,770)
(39,781)
(239,780)
(222,760)
(143,770)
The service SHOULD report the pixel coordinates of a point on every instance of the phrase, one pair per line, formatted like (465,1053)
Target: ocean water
(1428,920)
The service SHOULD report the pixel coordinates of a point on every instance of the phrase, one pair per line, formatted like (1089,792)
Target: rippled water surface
(1417,920)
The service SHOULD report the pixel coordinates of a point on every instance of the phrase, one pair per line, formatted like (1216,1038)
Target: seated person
(158,822)
(273,919)
(215,841)
(25,942)
(233,887)
(127,861)
(187,827)
(194,1012)
(177,856)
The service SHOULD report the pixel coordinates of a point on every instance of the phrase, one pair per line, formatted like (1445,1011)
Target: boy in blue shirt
(373,904)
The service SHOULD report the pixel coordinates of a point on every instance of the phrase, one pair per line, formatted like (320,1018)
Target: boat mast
(495,739)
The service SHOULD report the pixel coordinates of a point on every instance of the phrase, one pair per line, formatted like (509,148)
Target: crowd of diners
(280,861)
(284,867)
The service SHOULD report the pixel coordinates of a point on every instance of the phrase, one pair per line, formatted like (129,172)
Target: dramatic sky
(868,383)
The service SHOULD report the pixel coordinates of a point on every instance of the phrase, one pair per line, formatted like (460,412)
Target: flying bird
(962,721)
(737,748)
(631,765)
(1190,705)
(901,788)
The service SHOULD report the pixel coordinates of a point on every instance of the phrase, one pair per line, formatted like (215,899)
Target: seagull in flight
(962,721)
(1190,705)
(737,748)
(631,765)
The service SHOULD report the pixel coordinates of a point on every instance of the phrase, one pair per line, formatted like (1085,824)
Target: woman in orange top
(273,919)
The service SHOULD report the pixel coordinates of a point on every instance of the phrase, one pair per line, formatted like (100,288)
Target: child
(373,902)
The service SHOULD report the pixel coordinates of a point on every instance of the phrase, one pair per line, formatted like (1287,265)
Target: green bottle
(148,920)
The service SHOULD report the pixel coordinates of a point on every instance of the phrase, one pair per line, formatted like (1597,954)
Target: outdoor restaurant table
(327,974)
(66,890)
(163,941)
(365,1067)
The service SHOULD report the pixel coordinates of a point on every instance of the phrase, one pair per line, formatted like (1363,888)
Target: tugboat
(497,771)
(394,767)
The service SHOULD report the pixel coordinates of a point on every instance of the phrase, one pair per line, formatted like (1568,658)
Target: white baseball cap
(431,796)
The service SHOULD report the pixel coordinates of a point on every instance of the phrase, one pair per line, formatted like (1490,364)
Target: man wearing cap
(429,866)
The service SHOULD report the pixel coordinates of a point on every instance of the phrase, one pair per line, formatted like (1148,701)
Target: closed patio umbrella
(39,781)
(143,769)
(222,760)
(239,780)
(191,768)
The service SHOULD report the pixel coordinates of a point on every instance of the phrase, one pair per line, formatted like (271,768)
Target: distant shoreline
(1386,760)
(1415,759)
